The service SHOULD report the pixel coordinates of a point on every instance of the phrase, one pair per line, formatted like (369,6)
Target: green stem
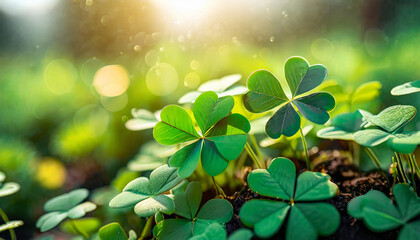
(6,220)
(219,190)
(413,176)
(147,227)
(252,155)
(305,149)
(257,148)
(413,160)
(373,157)
(400,166)
(77,230)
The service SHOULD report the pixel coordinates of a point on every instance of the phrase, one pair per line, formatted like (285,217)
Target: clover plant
(114,231)
(148,195)
(266,93)
(193,220)
(406,88)
(223,87)
(380,215)
(142,120)
(7,189)
(68,205)
(222,137)
(307,218)
(151,155)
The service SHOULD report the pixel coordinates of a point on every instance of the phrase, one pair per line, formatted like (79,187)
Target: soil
(352,183)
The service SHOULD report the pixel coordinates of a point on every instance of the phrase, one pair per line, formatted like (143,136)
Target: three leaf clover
(7,188)
(407,88)
(266,93)
(343,126)
(194,220)
(380,215)
(222,137)
(114,231)
(223,87)
(390,123)
(147,195)
(306,220)
(65,206)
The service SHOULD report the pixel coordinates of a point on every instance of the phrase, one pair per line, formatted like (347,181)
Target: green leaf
(407,201)
(233,124)
(334,133)
(218,210)
(392,118)
(8,189)
(145,193)
(264,215)
(241,234)
(86,225)
(315,107)
(208,109)
(407,88)
(234,91)
(213,163)
(220,85)
(151,155)
(143,119)
(66,201)
(212,231)
(371,137)
(188,202)
(277,181)
(349,122)
(295,69)
(285,121)
(50,220)
(2,177)
(176,126)
(366,92)
(189,97)
(314,186)
(10,225)
(405,142)
(112,231)
(229,147)
(81,210)
(312,219)
(187,158)
(173,229)
(265,92)
(410,231)
(315,75)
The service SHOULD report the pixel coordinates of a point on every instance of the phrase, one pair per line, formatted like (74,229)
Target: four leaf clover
(266,93)
(390,123)
(147,195)
(222,138)
(279,181)
(380,215)
(65,206)
(194,220)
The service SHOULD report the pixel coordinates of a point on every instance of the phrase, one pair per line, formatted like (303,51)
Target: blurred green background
(72,70)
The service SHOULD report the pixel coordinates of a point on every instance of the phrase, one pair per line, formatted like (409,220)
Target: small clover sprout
(7,188)
(65,206)
(222,87)
(266,93)
(390,123)
(343,126)
(380,215)
(407,88)
(147,195)
(222,138)
(193,220)
(143,119)
(306,220)
(114,231)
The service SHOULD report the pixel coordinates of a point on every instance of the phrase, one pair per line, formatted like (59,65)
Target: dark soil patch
(352,183)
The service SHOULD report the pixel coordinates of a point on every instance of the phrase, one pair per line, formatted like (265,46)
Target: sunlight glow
(184,10)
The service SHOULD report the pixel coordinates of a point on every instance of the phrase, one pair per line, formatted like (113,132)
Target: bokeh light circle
(322,49)
(162,79)
(192,80)
(60,76)
(111,80)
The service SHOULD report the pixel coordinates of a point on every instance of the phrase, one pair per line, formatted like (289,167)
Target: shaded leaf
(315,107)
(406,88)
(187,158)
(366,92)
(143,119)
(371,137)
(314,186)
(112,231)
(285,121)
(212,231)
(66,201)
(314,76)
(295,69)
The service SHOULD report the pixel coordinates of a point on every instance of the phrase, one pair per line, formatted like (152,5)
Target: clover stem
(400,166)
(147,227)
(257,148)
(373,157)
(218,189)
(305,149)
(77,230)
(252,155)
(413,176)
(6,219)
(413,160)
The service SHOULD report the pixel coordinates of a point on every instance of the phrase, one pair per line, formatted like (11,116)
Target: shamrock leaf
(222,87)
(151,155)
(390,123)
(65,206)
(343,126)
(212,231)
(143,119)
(147,195)
(7,188)
(114,231)
(222,137)
(380,215)
(266,93)
(278,181)
(407,88)
(193,220)
(10,225)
